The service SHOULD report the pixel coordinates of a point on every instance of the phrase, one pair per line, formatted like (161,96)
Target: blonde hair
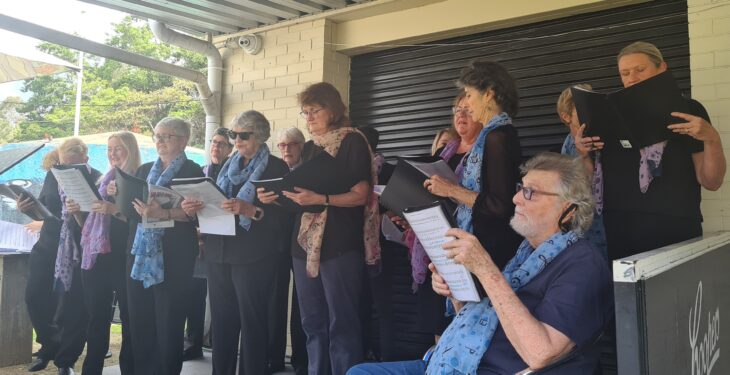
(129,142)
(450,131)
(73,146)
(565,101)
(646,48)
(50,159)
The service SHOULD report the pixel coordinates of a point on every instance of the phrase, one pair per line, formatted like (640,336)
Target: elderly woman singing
(162,259)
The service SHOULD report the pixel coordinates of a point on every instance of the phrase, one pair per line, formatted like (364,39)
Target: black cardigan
(264,237)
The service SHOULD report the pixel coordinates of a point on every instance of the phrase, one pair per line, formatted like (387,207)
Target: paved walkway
(197,367)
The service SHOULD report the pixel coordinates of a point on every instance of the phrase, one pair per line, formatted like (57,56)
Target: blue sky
(70,16)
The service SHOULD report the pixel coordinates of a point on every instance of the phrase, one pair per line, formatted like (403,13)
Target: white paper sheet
(16,237)
(212,219)
(438,168)
(74,184)
(430,226)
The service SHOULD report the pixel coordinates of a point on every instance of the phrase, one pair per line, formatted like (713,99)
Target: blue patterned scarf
(471,177)
(231,175)
(149,267)
(467,338)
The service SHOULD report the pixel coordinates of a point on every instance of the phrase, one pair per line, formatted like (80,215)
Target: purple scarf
(69,252)
(419,258)
(95,234)
(650,164)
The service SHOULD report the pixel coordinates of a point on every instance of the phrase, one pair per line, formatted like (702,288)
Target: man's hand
(467,250)
(441,288)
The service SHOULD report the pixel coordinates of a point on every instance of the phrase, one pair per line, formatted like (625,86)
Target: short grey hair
(294,134)
(574,187)
(177,125)
(256,122)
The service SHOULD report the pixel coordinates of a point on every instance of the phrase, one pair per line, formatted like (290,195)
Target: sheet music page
(430,226)
(438,168)
(168,199)
(76,187)
(212,219)
(16,237)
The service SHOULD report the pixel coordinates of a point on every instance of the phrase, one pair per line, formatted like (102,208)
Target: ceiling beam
(203,9)
(334,4)
(185,21)
(267,7)
(300,5)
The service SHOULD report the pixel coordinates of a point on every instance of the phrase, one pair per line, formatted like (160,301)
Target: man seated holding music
(554,296)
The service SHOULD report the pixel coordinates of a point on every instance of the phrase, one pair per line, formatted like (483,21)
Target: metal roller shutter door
(406,92)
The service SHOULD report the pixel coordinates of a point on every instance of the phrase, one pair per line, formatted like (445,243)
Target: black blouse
(493,207)
(344,228)
(182,239)
(51,229)
(264,237)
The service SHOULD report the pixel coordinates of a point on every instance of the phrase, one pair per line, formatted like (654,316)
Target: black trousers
(278,304)
(157,315)
(71,319)
(195,314)
(42,301)
(101,284)
(238,303)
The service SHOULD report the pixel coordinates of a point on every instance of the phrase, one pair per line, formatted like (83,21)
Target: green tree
(115,96)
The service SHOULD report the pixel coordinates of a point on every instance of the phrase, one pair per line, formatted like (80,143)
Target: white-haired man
(554,296)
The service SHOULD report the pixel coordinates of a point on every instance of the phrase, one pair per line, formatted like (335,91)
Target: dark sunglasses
(244,136)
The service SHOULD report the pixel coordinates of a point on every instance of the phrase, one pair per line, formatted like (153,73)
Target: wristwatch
(258,214)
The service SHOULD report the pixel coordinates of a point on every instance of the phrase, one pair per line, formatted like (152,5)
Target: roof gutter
(209,100)
(215,72)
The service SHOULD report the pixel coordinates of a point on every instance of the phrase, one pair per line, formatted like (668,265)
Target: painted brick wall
(709,34)
(292,57)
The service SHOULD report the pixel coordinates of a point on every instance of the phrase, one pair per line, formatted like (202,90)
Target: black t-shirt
(675,193)
(574,295)
(263,239)
(344,228)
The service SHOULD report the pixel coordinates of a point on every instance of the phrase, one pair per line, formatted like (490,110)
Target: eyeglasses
(164,138)
(220,143)
(462,110)
(529,192)
(305,115)
(244,136)
(283,146)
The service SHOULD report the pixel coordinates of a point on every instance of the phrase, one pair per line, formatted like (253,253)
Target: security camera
(251,44)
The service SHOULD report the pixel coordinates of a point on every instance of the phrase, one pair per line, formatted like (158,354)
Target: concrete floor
(196,367)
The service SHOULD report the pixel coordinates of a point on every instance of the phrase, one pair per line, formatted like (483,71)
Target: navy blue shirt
(573,295)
